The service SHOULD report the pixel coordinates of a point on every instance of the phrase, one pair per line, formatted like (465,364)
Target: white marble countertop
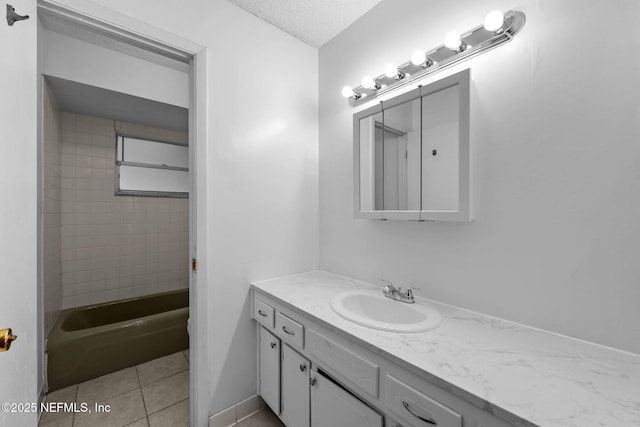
(523,375)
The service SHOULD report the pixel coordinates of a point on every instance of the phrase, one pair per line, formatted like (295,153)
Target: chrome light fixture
(494,21)
(348,92)
(419,58)
(392,72)
(453,40)
(497,29)
(369,83)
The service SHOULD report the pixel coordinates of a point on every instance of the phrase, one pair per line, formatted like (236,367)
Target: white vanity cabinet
(416,402)
(315,377)
(311,399)
(269,367)
(416,408)
(332,406)
(300,394)
(295,390)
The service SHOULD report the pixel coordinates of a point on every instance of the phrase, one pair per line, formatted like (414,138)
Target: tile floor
(153,394)
(264,418)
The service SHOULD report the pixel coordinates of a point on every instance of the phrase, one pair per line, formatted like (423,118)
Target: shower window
(146,167)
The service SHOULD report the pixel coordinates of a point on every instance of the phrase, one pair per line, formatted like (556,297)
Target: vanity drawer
(416,408)
(344,364)
(290,330)
(263,313)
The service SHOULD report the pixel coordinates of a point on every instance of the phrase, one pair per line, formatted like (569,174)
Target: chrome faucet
(396,293)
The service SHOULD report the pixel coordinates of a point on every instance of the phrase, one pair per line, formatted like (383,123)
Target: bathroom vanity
(317,369)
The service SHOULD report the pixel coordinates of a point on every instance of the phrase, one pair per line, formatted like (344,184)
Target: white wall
(555,129)
(19,114)
(262,173)
(72,59)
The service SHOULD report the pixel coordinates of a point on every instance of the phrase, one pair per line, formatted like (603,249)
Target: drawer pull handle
(286,331)
(273,344)
(262,313)
(421,418)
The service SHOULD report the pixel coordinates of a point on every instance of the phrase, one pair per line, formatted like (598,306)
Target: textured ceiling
(315,22)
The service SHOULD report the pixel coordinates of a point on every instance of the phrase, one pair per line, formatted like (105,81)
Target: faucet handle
(409,292)
(387,282)
(390,288)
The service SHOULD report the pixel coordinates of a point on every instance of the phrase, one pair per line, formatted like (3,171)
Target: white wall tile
(102,237)
(84,299)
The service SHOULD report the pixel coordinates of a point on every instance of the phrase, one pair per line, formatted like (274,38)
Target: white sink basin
(372,309)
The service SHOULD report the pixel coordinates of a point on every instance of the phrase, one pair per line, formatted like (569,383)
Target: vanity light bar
(497,29)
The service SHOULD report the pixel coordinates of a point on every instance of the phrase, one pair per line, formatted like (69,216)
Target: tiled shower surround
(114,247)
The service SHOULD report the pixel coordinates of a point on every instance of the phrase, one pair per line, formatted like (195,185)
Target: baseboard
(42,395)
(233,415)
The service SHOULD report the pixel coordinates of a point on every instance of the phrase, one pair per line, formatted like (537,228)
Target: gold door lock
(5,339)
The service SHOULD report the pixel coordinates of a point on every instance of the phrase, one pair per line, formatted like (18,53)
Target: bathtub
(87,342)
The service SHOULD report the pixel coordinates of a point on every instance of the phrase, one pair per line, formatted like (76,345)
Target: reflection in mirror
(398,140)
(370,161)
(440,150)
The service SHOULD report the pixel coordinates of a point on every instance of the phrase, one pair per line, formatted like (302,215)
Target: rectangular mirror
(412,155)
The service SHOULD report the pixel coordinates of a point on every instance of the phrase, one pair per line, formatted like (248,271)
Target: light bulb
(494,21)
(391,71)
(369,83)
(418,57)
(453,40)
(347,92)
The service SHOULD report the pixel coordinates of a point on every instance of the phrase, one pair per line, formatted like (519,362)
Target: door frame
(131,31)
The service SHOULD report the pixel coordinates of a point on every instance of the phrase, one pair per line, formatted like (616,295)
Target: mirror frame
(464,212)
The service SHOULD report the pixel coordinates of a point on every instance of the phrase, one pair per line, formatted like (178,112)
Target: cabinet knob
(273,344)
(312,381)
(303,367)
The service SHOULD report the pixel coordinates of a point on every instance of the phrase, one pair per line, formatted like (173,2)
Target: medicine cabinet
(412,154)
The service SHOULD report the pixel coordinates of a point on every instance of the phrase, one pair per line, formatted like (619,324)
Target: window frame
(145,193)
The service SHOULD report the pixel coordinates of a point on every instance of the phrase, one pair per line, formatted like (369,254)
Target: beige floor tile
(140,423)
(51,419)
(63,395)
(59,419)
(107,386)
(186,354)
(264,418)
(163,367)
(124,409)
(174,416)
(166,392)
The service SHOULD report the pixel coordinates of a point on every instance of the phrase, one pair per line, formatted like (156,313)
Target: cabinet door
(332,406)
(295,388)
(269,369)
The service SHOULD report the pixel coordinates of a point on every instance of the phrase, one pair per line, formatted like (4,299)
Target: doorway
(149,43)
